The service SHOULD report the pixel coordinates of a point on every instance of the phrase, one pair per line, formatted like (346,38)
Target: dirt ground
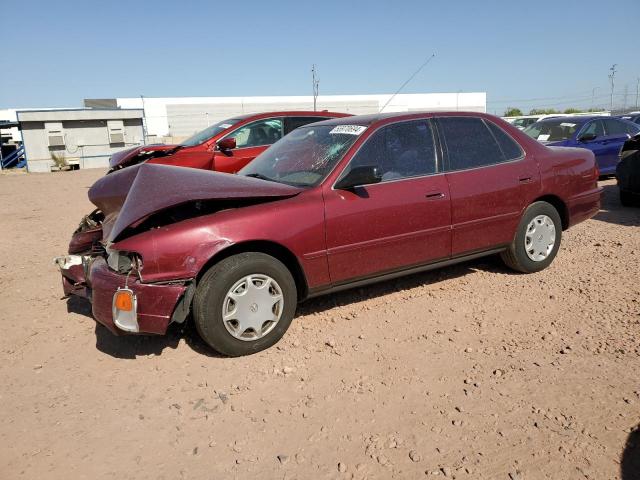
(467,372)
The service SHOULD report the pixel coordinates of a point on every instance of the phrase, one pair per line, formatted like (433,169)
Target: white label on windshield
(226,125)
(543,138)
(567,124)
(348,129)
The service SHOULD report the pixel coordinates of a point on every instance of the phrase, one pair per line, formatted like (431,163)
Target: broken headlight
(123,262)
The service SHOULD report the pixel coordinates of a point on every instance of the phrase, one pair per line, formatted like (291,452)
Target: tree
(512,112)
(572,110)
(542,111)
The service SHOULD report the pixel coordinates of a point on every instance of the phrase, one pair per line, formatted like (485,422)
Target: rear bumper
(584,206)
(155,303)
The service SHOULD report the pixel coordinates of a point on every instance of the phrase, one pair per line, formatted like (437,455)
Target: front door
(402,221)
(598,144)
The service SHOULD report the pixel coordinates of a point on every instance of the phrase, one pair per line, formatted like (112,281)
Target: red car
(333,205)
(226,146)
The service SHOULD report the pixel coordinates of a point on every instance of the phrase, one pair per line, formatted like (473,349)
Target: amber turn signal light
(124,301)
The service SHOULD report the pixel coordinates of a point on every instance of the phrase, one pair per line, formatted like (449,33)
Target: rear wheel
(245,303)
(537,239)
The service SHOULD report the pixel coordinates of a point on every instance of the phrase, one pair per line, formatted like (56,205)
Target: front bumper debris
(152,305)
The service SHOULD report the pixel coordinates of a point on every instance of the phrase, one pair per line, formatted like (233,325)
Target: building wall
(86,143)
(179,117)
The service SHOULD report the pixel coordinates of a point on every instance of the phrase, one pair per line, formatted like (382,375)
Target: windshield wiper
(260,176)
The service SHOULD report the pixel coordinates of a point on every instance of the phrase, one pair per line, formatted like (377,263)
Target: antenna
(424,64)
(315,85)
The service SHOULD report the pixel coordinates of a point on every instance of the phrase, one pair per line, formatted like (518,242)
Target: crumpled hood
(131,194)
(125,157)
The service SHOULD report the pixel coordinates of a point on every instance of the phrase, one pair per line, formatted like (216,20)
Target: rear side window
(510,148)
(399,151)
(633,129)
(469,143)
(615,127)
(291,123)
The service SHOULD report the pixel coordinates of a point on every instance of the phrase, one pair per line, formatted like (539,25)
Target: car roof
(578,119)
(369,119)
(290,113)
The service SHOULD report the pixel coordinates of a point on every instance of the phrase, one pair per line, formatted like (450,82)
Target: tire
(222,282)
(516,256)
(626,199)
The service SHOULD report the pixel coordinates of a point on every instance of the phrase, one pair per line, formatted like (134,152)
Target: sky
(550,54)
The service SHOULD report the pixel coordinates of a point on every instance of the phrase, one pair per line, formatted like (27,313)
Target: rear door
(400,222)
(490,181)
(616,133)
(251,140)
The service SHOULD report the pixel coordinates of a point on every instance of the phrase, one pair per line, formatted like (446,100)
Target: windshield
(524,122)
(209,132)
(552,130)
(305,156)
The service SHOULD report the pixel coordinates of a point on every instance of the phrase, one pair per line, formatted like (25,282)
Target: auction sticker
(226,125)
(348,129)
(567,124)
(543,138)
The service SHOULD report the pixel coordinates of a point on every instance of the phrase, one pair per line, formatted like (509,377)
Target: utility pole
(637,91)
(315,85)
(624,105)
(612,77)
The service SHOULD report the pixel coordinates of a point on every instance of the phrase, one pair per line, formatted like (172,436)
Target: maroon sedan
(226,146)
(333,205)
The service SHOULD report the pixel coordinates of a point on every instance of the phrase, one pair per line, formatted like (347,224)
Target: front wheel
(245,303)
(537,239)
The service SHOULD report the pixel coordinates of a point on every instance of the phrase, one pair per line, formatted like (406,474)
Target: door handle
(434,195)
(524,179)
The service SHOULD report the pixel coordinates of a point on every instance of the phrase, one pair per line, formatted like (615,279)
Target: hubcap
(252,307)
(540,238)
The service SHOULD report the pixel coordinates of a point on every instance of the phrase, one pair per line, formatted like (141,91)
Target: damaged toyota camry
(334,204)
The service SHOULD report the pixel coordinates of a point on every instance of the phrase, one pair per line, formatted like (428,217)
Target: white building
(174,118)
(81,137)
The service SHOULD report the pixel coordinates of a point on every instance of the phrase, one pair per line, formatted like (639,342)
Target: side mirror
(359,176)
(587,137)
(226,144)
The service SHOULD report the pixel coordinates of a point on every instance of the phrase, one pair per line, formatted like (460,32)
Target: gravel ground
(467,372)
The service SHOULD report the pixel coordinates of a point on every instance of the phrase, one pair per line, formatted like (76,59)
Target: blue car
(604,136)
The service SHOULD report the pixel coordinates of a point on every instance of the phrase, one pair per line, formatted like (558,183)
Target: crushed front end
(137,256)
(112,281)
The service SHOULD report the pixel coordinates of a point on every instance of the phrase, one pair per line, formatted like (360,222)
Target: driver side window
(399,151)
(594,128)
(256,134)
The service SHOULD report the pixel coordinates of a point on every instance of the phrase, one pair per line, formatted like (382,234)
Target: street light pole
(612,77)
(593,96)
